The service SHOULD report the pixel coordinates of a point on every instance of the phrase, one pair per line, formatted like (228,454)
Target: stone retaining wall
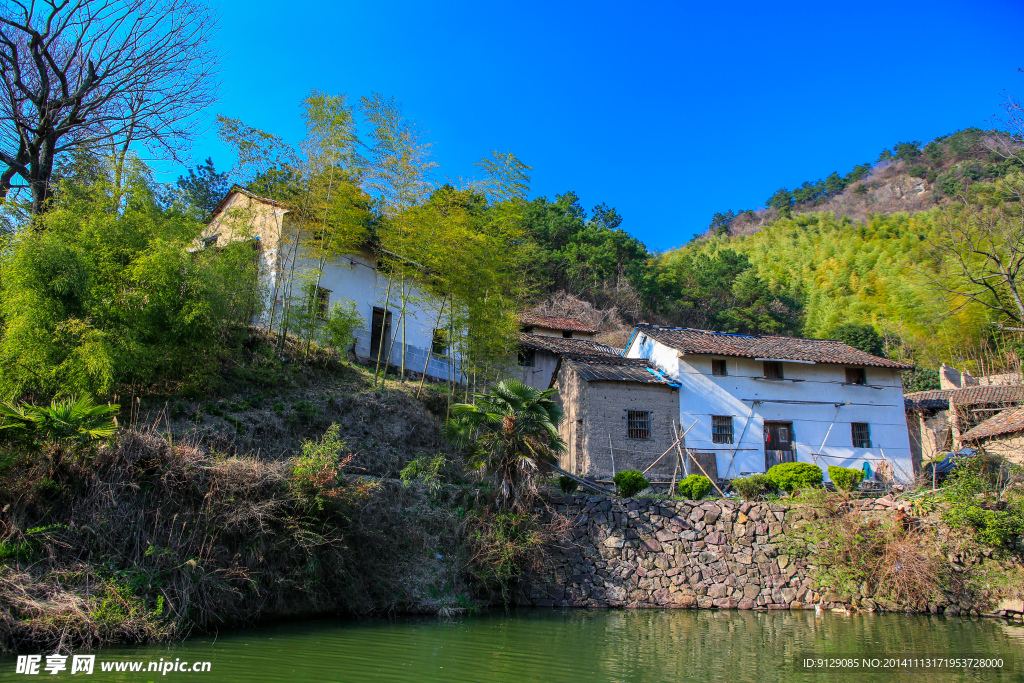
(726,554)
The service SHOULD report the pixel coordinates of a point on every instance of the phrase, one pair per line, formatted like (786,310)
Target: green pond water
(581,645)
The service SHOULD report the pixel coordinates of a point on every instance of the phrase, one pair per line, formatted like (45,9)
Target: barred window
(721,428)
(527,357)
(638,424)
(861,434)
(856,376)
(773,369)
(718,367)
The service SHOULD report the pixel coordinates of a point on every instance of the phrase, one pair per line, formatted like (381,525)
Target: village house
(545,339)
(1001,435)
(619,415)
(939,420)
(750,401)
(356,276)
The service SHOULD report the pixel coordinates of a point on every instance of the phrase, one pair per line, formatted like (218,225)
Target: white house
(355,276)
(755,401)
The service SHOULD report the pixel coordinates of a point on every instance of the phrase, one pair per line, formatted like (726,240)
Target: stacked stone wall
(725,554)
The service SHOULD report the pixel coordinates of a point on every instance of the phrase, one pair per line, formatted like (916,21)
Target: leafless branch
(85,74)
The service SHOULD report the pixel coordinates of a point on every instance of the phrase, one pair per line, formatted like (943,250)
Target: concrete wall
(880,404)
(1009,446)
(538,376)
(353,276)
(595,426)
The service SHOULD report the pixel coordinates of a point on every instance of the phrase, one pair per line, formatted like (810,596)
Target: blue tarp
(946,465)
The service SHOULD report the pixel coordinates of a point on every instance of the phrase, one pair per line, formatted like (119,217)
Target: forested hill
(857,248)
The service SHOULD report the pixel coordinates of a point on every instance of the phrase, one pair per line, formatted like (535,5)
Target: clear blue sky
(667,111)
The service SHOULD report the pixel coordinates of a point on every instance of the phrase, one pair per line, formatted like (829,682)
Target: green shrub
(752,487)
(630,482)
(984,494)
(316,474)
(426,468)
(790,476)
(694,487)
(567,484)
(845,478)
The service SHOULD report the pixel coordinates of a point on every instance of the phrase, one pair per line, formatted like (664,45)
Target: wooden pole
(675,472)
(713,483)
(675,444)
(612,452)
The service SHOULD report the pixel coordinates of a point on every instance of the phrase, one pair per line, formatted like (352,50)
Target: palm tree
(508,433)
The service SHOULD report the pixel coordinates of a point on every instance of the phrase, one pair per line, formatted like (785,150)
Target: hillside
(847,249)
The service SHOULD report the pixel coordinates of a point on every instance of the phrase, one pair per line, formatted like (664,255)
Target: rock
(651,545)
(741,518)
(746,603)
(719,590)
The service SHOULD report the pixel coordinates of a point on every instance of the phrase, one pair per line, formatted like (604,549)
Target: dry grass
(149,539)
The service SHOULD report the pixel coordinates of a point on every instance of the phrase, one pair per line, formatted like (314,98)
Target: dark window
(320,303)
(856,376)
(567,335)
(211,241)
(439,345)
(861,434)
(721,428)
(527,357)
(718,368)
(773,369)
(638,424)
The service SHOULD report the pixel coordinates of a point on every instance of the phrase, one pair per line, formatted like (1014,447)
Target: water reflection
(578,645)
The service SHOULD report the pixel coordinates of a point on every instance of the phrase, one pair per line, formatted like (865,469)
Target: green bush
(752,487)
(790,476)
(567,484)
(845,478)
(630,482)
(985,494)
(694,487)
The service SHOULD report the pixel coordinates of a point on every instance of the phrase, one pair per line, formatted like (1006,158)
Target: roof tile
(562,346)
(554,322)
(706,342)
(616,369)
(1007,422)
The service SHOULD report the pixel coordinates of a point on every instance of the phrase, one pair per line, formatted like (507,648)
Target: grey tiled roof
(1007,422)
(555,322)
(562,346)
(967,396)
(928,400)
(707,342)
(616,369)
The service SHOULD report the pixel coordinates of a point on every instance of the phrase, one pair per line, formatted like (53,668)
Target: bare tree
(98,74)
(978,256)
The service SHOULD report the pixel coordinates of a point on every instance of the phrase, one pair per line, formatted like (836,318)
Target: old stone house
(1002,434)
(754,401)
(546,339)
(938,420)
(356,276)
(619,415)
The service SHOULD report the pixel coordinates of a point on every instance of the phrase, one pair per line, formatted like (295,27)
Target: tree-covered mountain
(893,246)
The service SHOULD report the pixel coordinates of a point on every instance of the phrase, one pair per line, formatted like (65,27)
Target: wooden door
(778,443)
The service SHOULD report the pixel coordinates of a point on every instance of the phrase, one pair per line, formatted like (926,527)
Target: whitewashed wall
(703,395)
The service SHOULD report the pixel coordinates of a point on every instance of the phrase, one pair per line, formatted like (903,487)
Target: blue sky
(667,111)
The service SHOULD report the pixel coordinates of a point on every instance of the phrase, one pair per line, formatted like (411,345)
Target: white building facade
(397,311)
(756,401)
